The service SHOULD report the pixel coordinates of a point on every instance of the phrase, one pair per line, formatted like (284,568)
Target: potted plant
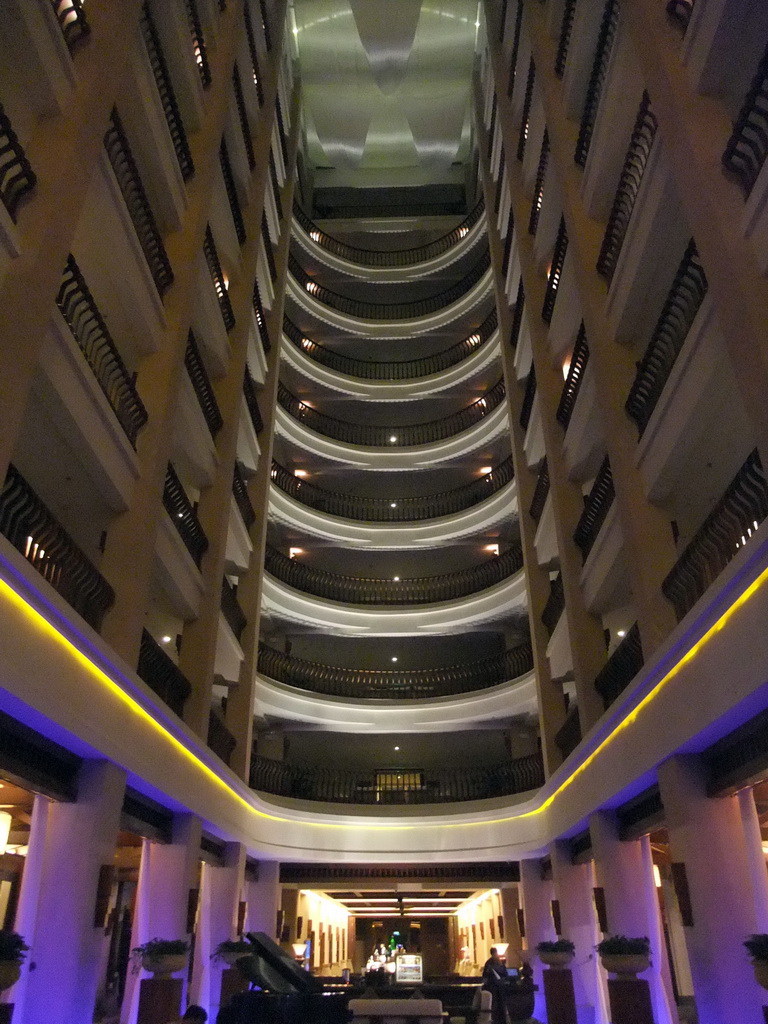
(13,949)
(622,955)
(230,951)
(757,947)
(161,957)
(557,954)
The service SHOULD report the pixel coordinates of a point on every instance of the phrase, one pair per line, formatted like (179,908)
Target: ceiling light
(392,439)
(166,639)
(292,552)
(397,748)
(492,549)
(621,632)
(300,473)
(393,504)
(394,657)
(566,368)
(396,579)
(486,469)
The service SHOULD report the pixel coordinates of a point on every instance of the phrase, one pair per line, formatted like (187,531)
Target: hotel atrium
(382,545)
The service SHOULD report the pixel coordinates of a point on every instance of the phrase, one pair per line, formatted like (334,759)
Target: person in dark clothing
(495,982)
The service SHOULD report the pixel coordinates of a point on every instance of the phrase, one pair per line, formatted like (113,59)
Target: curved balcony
(396,785)
(372,591)
(406,436)
(394,265)
(416,684)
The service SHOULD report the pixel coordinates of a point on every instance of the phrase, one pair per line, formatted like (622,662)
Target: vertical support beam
(538,894)
(263,898)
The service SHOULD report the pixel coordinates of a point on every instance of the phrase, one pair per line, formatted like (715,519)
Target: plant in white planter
(622,955)
(161,957)
(557,954)
(230,951)
(757,947)
(13,949)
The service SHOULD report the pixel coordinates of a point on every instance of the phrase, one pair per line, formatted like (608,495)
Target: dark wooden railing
(162,674)
(680,308)
(527,103)
(632,173)
(261,319)
(16,175)
(242,114)
(89,330)
(393,258)
(568,736)
(393,509)
(198,375)
(680,12)
(72,21)
(747,147)
(574,380)
(555,605)
(528,398)
(217,277)
(416,590)
(596,506)
(621,668)
(541,491)
(243,502)
(281,130)
(403,369)
(515,50)
(389,310)
(199,52)
(566,27)
(396,785)
(268,249)
(499,190)
(167,96)
(555,272)
(32,529)
(252,401)
(231,609)
(231,190)
(729,525)
(265,25)
(220,739)
(492,126)
(508,239)
(391,437)
(538,189)
(605,39)
(413,684)
(184,516)
(517,317)
(254,54)
(275,184)
(143,220)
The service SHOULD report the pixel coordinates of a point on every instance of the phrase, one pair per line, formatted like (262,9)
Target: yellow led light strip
(46,627)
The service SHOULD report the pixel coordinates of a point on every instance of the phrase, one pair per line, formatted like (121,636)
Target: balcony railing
(231,609)
(265,24)
(729,525)
(680,308)
(393,509)
(528,398)
(527,103)
(403,369)
(747,147)
(515,49)
(396,785)
(574,380)
(680,12)
(391,437)
(639,151)
(201,383)
(268,248)
(499,190)
(231,190)
(508,240)
(541,492)
(34,532)
(242,114)
(166,94)
(143,220)
(275,184)
(240,492)
(416,590)
(555,605)
(16,175)
(261,320)
(414,684)
(217,277)
(555,272)
(390,310)
(621,668)
(184,516)
(605,38)
(281,129)
(162,674)
(596,507)
(566,27)
(254,54)
(199,52)
(220,739)
(538,189)
(72,21)
(252,401)
(492,126)
(396,258)
(89,330)
(568,736)
(517,318)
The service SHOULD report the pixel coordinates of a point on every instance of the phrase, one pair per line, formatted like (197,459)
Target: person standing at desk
(494,981)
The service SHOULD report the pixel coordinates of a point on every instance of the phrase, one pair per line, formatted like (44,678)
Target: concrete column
(31,882)
(573,890)
(753,846)
(707,836)
(537,894)
(77,839)
(289,904)
(624,870)
(220,892)
(263,899)
(510,901)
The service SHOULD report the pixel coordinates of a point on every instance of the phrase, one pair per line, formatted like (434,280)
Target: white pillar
(753,846)
(31,884)
(707,836)
(263,898)
(78,839)
(538,894)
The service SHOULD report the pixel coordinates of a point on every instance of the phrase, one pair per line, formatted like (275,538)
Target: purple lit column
(538,894)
